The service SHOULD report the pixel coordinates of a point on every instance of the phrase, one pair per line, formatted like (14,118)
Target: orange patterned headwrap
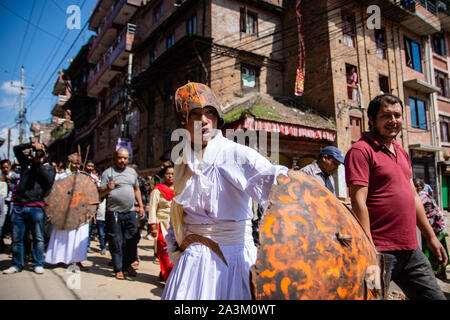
(195,95)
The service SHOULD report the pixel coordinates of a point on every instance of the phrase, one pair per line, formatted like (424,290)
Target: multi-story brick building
(109,53)
(394,56)
(247,51)
(243,50)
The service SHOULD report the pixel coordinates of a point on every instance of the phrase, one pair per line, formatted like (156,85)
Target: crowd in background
(63,247)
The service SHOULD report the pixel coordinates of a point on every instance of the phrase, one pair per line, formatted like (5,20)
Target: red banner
(300,79)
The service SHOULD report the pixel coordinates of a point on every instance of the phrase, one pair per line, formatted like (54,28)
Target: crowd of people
(201,209)
(115,223)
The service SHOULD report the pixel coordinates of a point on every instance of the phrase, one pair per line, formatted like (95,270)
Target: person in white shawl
(215,180)
(69,246)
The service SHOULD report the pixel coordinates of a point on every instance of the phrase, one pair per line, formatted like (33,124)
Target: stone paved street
(57,283)
(96,284)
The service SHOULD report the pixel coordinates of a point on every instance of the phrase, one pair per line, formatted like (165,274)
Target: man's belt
(211,244)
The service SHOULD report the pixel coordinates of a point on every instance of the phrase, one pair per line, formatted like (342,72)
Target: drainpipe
(433,114)
(404,131)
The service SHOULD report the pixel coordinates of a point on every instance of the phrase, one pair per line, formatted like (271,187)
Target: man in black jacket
(36,179)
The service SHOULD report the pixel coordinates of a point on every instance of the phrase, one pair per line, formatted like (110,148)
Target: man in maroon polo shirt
(379,176)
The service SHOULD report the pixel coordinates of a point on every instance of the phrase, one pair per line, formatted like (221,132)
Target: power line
(34,25)
(35,30)
(24,37)
(50,58)
(59,64)
(57,5)
(33,98)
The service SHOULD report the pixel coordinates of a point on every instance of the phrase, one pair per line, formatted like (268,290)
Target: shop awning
(286,129)
(425,147)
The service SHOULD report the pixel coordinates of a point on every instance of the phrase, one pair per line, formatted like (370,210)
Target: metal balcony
(124,10)
(444,14)
(102,9)
(106,34)
(123,46)
(424,19)
(101,75)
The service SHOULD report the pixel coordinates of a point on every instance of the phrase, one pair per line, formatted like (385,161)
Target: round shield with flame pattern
(72,201)
(313,248)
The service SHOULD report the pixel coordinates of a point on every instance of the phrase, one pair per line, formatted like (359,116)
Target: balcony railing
(94,74)
(129,29)
(116,96)
(105,20)
(427,4)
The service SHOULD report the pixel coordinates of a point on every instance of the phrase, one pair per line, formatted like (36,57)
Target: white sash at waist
(226,234)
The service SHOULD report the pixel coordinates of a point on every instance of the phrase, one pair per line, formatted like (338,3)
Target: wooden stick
(85,159)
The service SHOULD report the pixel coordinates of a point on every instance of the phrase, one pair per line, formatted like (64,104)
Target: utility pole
(22,111)
(126,108)
(9,141)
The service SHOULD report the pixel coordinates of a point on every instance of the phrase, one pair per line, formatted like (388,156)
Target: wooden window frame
(245,13)
(417,125)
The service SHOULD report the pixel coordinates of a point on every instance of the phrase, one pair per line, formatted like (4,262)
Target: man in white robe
(69,246)
(215,181)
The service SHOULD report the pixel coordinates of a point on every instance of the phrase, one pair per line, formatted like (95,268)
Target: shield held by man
(72,201)
(313,248)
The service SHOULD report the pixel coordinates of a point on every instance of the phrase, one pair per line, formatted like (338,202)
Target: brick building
(392,57)
(247,51)
(109,54)
(243,50)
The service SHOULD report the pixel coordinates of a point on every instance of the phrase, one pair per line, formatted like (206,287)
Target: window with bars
(444,123)
(170,41)
(438,44)
(384,84)
(191,25)
(152,56)
(412,54)
(380,40)
(418,113)
(441,80)
(250,79)
(348,28)
(158,12)
(249,21)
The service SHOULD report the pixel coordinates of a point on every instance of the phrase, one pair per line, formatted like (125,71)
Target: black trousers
(412,272)
(122,234)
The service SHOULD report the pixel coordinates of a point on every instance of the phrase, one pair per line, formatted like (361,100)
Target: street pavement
(98,283)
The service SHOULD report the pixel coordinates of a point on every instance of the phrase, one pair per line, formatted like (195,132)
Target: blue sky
(35,35)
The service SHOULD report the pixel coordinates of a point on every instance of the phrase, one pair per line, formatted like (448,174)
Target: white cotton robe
(67,246)
(220,193)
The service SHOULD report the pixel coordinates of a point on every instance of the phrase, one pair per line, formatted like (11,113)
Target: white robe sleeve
(252,173)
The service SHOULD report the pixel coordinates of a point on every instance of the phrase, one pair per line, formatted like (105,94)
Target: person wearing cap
(209,240)
(327,163)
(383,197)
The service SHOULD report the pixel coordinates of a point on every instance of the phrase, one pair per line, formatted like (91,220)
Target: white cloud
(9,95)
(14,141)
(8,102)
(8,89)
